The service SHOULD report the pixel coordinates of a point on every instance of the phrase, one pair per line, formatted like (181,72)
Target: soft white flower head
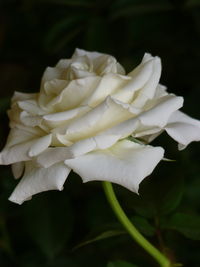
(81,119)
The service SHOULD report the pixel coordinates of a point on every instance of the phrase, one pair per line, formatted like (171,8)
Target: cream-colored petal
(17,136)
(108,85)
(24,151)
(73,95)
(126,163)
(183,129)
(150,121)
(54,87)
(101,63)
(53,155)
(148,91)
(159,114)
(61,119)
(18,169)
(30,120)
(40,145)
(111,112)
(31,106)
(18,96)
(37,179)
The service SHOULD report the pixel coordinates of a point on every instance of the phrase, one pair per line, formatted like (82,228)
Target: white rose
(81,119)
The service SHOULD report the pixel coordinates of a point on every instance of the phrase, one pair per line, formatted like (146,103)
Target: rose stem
(147,246)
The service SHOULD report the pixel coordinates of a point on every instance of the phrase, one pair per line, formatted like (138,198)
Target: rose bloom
(88,117)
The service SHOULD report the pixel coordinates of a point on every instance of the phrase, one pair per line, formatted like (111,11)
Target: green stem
(154,252)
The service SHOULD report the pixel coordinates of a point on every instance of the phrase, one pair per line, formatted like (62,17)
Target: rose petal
(183,129)
(149,89)
(163,107)
(105,115)
(126,163)
(17,169)
(102,63)
(141,74)
(17,136)
(24,151)
(18,96)
(54,87)
(40,145)
(31,106)
(109,84)
(59,119)
(53,155)
(30,120)
(37,179)
(73,95)
(150,121)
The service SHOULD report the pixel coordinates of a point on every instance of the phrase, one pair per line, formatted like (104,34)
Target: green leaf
(169,197)
(120,264)
(143,225)
(158,196)
(48,220)
(186,224)
(141,9)
(104,235)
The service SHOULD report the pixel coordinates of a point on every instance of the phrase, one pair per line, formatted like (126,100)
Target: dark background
(35,34)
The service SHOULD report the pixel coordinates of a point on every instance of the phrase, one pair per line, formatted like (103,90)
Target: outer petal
(148,91)
(53,155)
(18,96)
(126,163)
(24,151)
(17,169)
(150,121)
(183,129)
(37,179)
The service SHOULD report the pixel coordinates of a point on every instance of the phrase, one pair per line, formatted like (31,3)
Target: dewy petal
(37,179)
(183,129)
(126,163)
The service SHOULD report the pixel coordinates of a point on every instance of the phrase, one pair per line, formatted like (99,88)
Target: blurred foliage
(58,229)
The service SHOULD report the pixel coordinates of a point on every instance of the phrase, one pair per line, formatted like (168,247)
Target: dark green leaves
(48,221)
(103,235)
(186,224)
(158,196)
(143,225)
